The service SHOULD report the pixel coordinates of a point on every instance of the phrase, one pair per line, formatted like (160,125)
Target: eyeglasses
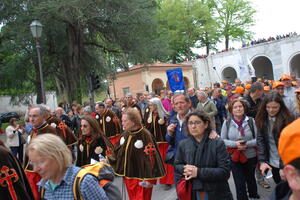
(84,126)
(196,123)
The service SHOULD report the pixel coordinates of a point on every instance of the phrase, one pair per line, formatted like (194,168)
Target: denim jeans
(244,175)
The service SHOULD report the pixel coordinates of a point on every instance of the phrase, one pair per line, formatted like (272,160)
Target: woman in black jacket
(203,161)
(271,118)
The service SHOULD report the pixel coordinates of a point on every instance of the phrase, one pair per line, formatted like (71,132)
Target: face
(86,128)
(287,82)
(47,168)
(181,106)
(258,93)
(141,98)
(129,99)
(191,91)
(237,82)
(108,102)
(35,117)
(99,109)
(196,126)
(280,90)
(201,99)
(152,107)
(127,123)
(272,108)
(238,109)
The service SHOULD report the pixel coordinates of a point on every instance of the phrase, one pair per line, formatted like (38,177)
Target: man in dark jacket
(254,98)
(193,97)
(289,152)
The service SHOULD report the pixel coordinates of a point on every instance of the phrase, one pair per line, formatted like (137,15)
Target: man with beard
(109,122)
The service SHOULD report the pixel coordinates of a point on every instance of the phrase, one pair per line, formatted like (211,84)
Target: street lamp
(36,29)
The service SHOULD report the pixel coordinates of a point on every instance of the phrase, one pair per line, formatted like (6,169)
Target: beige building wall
(131,80)
(136,80)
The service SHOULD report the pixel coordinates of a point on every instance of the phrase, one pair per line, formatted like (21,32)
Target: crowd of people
(195,138)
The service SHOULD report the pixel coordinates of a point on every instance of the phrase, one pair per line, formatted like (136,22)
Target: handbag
(184,189)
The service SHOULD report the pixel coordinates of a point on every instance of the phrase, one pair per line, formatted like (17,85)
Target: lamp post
(36,29)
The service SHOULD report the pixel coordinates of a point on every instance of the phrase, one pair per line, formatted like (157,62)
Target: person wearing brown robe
(62,130)
(155,119)
(138,158)
(92,144)
(13,182)
(40,126)
(109,123)
(130,103)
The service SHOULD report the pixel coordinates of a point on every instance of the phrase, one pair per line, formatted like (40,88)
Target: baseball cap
(248,86)
(289,142)
(239,90)
(285,77)
(276,84)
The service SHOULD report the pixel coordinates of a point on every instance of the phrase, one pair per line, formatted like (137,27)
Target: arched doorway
(229,74)
(157,85)
(263,67)
(186,83)
(295,65)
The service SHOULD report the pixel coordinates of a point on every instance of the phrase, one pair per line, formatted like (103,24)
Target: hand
(241,146)
(264,167)
(171,129)
(190,171)
(213,135)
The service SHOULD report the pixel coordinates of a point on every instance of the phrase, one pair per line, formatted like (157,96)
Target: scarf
(240,125)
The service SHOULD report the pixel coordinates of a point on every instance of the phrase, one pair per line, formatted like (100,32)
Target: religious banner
(175,78)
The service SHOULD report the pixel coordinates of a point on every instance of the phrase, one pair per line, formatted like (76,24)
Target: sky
(272,17)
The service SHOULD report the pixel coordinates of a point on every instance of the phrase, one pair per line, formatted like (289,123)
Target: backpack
(250,123)
(105,175)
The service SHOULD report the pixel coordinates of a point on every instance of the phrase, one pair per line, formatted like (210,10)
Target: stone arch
(186,82)
(263,67)
(157,85)
(229,74)
(294,64)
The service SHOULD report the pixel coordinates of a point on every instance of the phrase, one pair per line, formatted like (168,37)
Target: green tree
(235,17)
(181,23)
(78,36)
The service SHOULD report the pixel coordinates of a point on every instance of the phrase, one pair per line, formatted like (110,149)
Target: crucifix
(150,150)
(8,179)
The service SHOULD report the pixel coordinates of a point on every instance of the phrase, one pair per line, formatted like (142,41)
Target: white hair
(160,109)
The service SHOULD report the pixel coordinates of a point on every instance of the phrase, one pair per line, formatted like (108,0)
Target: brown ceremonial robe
(13,182)
(62,130)
(45,128)
(109,123)
(138,156)
(88,150)
(156,126)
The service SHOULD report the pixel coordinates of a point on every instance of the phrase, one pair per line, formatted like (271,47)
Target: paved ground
(160,194)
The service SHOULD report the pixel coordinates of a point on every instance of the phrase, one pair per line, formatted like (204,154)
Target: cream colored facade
(153,77)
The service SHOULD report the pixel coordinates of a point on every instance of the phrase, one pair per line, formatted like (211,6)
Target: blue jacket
(179,135)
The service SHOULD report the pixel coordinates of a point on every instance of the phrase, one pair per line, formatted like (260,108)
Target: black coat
(263,145)
(212,160)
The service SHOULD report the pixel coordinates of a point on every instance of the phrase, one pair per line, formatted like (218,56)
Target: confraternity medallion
(98,150)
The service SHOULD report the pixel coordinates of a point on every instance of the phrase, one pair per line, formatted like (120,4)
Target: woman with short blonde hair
(52,160)
(51,146)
